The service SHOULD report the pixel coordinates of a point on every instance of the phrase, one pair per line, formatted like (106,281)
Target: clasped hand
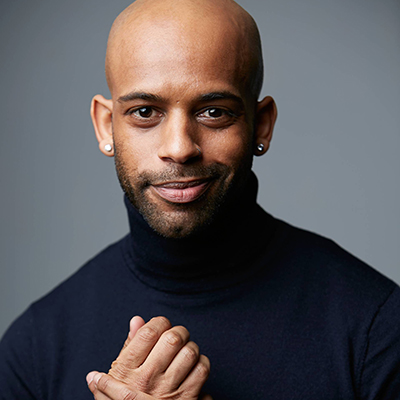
(157,362)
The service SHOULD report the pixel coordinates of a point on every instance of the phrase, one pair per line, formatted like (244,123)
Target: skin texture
(194,17)
(163,364)
(182,111)
(184,124)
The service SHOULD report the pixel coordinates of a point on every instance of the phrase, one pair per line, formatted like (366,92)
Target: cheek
(229,148)
(134,150)
(126,153)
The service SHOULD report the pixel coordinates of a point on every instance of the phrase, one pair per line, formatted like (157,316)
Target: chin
(178,225)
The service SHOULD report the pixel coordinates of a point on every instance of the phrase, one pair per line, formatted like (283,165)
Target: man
(280,313)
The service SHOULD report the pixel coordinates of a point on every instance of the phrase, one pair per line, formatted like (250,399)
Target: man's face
(183,128)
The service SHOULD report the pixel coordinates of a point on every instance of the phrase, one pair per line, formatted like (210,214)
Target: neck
(213,257)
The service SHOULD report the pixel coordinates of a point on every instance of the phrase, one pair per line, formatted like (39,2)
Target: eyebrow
(223,95)
(139,95)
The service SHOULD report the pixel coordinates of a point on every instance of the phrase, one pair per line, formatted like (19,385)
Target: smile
(181,192)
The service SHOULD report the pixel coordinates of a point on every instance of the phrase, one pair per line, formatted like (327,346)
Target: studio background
(333,167)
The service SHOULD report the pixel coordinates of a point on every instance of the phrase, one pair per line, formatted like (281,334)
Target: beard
(179,220)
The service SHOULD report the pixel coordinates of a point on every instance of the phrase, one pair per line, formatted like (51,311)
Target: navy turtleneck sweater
(281,313)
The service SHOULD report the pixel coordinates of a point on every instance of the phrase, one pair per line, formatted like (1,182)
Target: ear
(101,113)
(266,115)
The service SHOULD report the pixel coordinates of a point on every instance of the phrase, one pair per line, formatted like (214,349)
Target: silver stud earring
(260,147)
(108,147)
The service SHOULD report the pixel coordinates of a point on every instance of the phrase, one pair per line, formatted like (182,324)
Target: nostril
(179,151)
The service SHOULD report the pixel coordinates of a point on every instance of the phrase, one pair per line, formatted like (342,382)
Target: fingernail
(89,377)
(96,379)
(133,319)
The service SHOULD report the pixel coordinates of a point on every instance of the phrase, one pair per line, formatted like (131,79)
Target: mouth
(182,191)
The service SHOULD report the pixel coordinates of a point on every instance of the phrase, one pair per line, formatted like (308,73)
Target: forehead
(166,55)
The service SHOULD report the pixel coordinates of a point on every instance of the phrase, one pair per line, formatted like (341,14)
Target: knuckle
(132,355)
(183,331)
(173,338)
(190,353)
(162,321)
(118,371)
(128,395)
(202,370)
(147,334)
(103,383)
(143,380)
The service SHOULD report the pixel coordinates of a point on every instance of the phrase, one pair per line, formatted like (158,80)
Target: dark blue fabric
(281,313)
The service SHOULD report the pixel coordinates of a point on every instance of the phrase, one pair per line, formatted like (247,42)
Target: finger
(170,344)
(197,377)
(206,397)
(92,385)
(104,387)
(182,364)
(134,324)
(90,376)
(139,347)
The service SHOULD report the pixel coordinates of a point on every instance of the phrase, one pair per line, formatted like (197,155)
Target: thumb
(105,386)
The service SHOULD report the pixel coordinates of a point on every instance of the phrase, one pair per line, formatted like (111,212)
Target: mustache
(177,172)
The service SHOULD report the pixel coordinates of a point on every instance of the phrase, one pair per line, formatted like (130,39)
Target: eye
(216,117)
(142,112)
(214,112)
(144,116)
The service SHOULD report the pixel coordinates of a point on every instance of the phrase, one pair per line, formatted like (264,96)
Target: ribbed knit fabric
(281,313)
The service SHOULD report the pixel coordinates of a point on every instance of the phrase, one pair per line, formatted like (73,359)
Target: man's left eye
(214,112)
(216,117)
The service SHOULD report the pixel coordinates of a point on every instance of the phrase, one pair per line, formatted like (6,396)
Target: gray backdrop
(332,66)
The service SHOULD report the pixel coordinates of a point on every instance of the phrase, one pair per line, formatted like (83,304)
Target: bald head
(201,26)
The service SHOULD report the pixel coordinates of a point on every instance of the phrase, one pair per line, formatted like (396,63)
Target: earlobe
(266,115)
(101,113)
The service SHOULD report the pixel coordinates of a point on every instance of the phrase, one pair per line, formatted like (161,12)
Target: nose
(178,143)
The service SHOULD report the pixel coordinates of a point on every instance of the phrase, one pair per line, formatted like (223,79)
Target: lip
(182,191)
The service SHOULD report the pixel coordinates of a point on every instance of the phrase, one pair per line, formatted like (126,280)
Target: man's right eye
(144,116)
(142,112)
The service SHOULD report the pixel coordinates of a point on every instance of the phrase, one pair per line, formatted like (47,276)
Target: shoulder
(95,278)
(345,302)
(45,337)
(324,279)
(379,371)
(324,262)
(72,302)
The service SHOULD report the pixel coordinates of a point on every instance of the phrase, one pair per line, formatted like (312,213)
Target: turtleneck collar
(218,257)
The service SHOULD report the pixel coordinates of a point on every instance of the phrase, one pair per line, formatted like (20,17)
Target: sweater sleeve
(17,367)
(380,376)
